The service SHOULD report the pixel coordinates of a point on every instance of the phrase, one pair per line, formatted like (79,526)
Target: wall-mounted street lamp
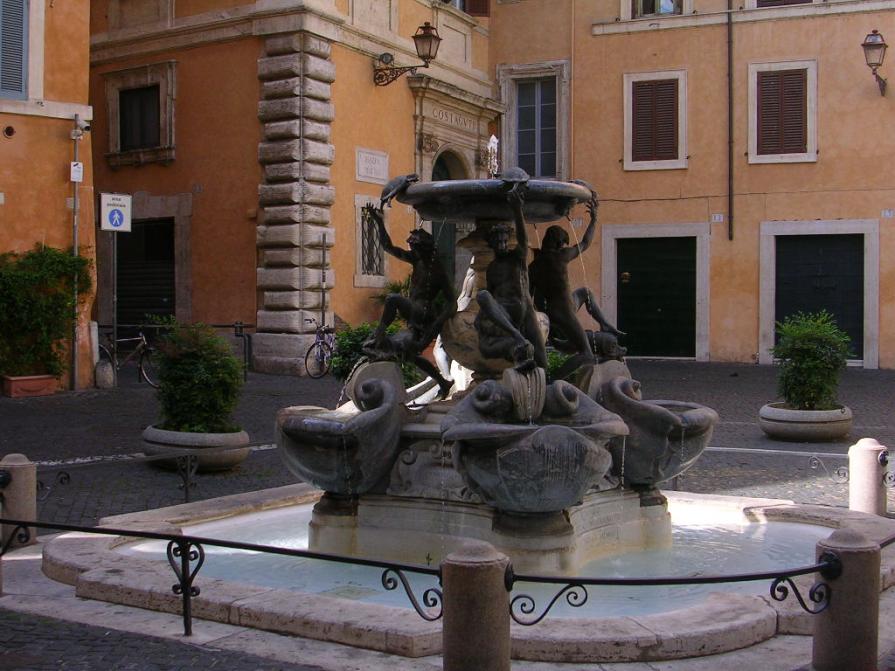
(874,52)
(426,41)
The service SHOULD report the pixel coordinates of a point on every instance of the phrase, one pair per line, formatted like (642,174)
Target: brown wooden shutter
(782,112)
(654,120)
(478,7)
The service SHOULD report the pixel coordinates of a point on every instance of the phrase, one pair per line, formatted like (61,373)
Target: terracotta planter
(18,386)
(159,441)
(783,423)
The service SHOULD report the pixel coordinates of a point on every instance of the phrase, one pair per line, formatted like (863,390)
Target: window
(372,260)
(536,127)
(536,131)
(780,3)
(13,48)
(370,266)
(782,112)
(140,103)
(653,7)
(471,7)
(138,111)
(655,120)
(640,9)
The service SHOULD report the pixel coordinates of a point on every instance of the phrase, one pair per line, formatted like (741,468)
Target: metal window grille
(372,258)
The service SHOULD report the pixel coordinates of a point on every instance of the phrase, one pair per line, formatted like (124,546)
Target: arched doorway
(454,260)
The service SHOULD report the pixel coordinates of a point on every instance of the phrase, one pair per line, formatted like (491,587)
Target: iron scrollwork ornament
(839,475)
(820,592)
(44,490)
(181,554)
(20,534)
(575,595)
(432,597)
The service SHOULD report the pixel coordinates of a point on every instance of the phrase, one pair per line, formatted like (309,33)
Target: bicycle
(144,354)
(318,358)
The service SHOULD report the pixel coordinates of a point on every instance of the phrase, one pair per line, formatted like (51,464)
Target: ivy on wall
(37,308)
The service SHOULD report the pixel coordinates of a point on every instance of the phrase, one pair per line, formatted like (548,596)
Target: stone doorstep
(723,622)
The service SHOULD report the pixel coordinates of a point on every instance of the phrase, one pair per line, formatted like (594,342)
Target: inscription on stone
(371,166)
(453,118)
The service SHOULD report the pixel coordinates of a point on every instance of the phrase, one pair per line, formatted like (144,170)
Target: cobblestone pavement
(34,643)
(104,424)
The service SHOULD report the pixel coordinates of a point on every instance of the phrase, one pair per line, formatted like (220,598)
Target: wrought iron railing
(183,462)
(576,595)
(186,555)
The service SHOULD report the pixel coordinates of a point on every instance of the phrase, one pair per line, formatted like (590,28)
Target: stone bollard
(866,489)
(846,633)
(19,496)
(476,629)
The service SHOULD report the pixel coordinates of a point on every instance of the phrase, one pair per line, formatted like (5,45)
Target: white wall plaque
(371,166)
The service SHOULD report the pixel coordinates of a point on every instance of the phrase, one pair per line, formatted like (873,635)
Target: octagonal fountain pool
(704,542)
(347,603)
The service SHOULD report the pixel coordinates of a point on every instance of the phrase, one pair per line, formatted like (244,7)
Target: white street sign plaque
(115,212)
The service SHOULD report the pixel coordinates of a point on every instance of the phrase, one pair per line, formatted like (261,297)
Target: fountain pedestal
(424,531)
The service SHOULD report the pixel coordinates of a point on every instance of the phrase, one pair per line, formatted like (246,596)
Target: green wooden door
(657,296)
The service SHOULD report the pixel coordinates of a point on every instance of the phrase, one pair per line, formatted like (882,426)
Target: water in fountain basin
(701,546)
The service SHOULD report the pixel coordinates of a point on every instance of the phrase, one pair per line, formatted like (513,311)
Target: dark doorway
(657,296)
(823,272)
(448,166)
(146,284)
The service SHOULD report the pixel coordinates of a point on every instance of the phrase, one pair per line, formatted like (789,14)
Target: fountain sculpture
(552,472)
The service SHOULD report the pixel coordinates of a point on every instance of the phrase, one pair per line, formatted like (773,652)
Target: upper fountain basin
(466,200)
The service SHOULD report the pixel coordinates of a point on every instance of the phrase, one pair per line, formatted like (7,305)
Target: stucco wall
(379,119)
(35,159)
(849,181)
(216,138)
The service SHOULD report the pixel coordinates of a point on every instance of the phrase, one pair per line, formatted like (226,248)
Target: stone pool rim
(721,623)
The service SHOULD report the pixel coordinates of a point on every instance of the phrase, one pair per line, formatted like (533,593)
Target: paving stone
(107,424)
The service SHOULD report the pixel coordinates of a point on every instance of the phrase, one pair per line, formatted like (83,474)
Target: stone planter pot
(18,386)
(159,442)
(783,423)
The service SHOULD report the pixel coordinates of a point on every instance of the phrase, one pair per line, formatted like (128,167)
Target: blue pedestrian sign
(115,212)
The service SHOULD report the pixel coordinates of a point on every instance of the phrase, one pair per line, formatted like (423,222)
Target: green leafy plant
(812,351)
(401,287)
(349,350)
(37,308)
(199,380)
(555,361)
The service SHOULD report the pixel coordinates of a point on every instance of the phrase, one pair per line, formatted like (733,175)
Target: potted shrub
(812,352)
(37,315)
(199,385)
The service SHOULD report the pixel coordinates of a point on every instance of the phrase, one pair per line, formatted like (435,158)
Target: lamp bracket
(384,73)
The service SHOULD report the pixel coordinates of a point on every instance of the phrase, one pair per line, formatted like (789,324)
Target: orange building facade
(251,135)
(44,72)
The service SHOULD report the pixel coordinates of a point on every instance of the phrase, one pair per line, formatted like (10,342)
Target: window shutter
(13,34)
(782,112)
(654,120)
(478,7)
(795,111)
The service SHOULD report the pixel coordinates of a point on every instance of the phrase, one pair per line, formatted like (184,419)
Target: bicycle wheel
(318,359)
(148,367)
(105,355)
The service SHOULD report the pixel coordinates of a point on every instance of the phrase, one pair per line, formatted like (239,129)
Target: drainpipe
(76,134)
(730,119)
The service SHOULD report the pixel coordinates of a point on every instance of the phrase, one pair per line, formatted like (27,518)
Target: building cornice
(265,18)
